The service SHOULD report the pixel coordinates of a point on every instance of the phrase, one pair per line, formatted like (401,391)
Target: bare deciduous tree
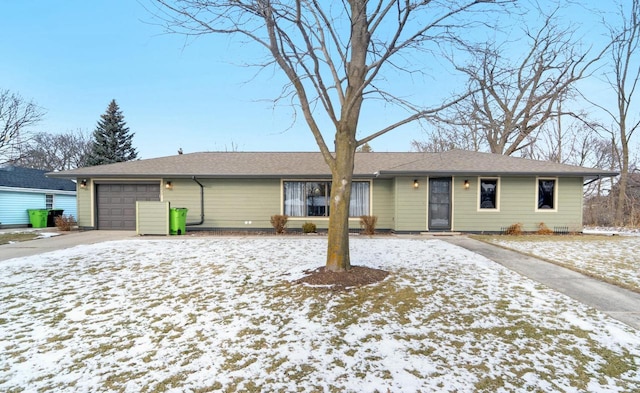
(448,136)
(623,77)
(56,151)
(16,116)
(335,56)
(569,142)
(513,95)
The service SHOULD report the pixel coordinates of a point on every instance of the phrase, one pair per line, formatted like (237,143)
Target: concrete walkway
(619,303)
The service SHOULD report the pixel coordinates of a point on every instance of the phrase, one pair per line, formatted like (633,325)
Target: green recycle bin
(38,217)
(177,220)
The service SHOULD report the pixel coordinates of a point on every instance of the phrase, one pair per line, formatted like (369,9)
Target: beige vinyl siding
(383,203)
(228,203)
(518,205)
(152,218)
(184,193)
(322,223)
(411,204)
(84,198)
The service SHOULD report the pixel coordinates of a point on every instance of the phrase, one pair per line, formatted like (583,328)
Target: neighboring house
(408,192)
(25,188)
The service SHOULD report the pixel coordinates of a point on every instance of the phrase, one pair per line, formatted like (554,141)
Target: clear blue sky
(72,57)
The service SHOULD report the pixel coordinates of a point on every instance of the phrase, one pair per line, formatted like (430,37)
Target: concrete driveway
(60,242)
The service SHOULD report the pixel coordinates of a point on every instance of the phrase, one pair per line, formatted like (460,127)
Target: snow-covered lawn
(613,258)
(221,314)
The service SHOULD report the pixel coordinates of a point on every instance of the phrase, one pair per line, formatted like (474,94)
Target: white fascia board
(37,191)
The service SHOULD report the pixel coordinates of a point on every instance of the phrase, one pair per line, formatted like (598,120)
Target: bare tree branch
(623,77)
(16,117)
(335,56)
(514,98)
(56,152)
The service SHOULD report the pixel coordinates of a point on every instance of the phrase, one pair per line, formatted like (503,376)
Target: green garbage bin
(38,217)
(177,220)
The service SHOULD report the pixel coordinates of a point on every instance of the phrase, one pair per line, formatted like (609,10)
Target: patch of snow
(44,235)
(610,231)
(221,314)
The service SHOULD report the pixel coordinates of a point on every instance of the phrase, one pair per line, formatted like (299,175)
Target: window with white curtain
(311,198)
(359,205)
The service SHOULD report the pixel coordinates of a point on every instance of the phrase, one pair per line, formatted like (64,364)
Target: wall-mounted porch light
(168,185)
(466,184)
(83,183)
(416,184)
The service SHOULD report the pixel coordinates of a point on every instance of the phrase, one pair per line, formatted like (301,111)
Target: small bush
(543,229)
(65,223)
(279,222)
(514,230)
(368,224)
(309,227)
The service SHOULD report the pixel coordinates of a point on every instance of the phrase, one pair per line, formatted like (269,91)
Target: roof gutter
(494,173)
(201,204)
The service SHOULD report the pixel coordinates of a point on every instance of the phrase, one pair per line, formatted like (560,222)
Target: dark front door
(440,204)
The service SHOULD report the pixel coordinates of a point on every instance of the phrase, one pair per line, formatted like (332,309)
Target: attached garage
(116,203)
(409,192)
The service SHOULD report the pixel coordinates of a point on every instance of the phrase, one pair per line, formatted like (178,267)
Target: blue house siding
(67,203)
(15,202)
(26,188)
(14,205)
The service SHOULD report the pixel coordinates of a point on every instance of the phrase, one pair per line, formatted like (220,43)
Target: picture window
(311,198)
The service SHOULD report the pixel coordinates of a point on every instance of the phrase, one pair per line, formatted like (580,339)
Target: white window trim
(498,193)
(322,218)
(556,191)
(53,201)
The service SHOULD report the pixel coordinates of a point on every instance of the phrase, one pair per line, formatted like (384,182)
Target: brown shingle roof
(311,164)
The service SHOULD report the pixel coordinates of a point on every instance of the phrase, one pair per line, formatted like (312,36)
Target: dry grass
(6,238)
(279,223)
(613,259)
(65,222)
(368,224)
(514,230)
(543,229)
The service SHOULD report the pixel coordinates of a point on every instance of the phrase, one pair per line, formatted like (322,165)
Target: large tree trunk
(622,183)
(338,238)
(345,142)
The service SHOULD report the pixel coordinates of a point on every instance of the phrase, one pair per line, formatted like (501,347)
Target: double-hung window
(311,198)
(48,201)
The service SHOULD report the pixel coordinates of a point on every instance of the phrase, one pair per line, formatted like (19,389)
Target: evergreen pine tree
(112,141)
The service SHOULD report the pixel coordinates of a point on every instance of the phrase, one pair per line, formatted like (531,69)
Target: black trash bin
(51,216)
